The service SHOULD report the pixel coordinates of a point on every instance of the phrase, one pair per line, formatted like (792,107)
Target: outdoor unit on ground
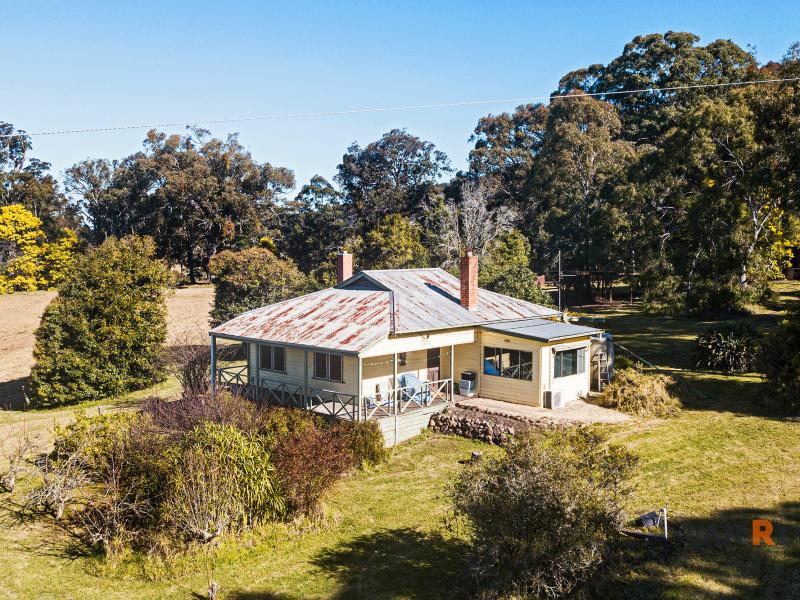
(553,400)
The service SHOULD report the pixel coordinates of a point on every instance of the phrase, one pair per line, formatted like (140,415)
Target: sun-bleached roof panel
(334,319)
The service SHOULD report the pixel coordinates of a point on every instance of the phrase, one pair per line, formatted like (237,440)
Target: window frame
(500,356)
(327,362)
(558,362)
(271,350)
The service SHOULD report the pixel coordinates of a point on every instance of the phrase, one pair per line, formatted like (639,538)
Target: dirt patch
(20,314)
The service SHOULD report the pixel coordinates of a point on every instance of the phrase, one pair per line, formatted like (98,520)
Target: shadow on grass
(399,563)
(12,394)
(713,557)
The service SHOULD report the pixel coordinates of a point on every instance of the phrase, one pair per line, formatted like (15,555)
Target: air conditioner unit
(553,400)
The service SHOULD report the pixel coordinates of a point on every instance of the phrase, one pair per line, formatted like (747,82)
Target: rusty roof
(372,304)
(426,299)
(343,320)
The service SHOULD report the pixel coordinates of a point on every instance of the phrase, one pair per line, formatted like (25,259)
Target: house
(397,345)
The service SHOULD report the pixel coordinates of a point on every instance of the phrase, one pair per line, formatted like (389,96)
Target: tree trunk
(190,262)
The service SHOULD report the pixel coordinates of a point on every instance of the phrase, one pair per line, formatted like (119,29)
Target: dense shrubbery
(104,333)
(27,260)
(727,347)
(780,362)
(194,469)
(252,278)
(642,394)
(545,516)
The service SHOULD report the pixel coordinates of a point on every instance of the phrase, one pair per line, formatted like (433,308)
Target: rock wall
(492,428)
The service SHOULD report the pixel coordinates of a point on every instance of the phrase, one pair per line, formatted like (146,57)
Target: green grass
(383,535)
(723,462)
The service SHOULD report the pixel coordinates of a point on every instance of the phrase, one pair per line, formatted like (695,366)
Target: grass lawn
(725,461)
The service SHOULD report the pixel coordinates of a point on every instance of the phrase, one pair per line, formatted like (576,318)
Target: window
(514,364)
(569,362)
(328,366)
(401,359)
(272,358)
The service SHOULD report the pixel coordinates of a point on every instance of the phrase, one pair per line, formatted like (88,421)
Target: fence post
(358,391)
(213,365)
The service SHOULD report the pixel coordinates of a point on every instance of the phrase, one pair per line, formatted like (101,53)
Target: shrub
(364,440)
(779,360)
(293,437)
(727,347)
(308,461)
(252,278)
(103,334)
(189,411)
(521,282)
(545,517)
(642,394)
(224,478)
(27,260)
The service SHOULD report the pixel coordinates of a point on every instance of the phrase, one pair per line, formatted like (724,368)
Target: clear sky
(72,65)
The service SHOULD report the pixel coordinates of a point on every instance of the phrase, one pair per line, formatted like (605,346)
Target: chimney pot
(469,280)
(344,266)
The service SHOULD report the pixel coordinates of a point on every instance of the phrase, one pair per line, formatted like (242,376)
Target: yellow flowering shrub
(27,261)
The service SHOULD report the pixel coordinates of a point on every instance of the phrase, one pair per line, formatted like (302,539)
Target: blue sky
(72,65)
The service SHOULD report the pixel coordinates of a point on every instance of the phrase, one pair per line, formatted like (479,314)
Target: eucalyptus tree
(391,175)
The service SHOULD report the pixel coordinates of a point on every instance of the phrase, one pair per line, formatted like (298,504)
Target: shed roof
(542,330)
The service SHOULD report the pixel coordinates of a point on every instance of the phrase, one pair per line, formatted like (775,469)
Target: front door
(434,363)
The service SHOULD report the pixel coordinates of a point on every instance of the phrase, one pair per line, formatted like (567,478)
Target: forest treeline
(693,193)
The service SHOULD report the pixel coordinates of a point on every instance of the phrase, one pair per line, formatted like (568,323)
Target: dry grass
(188,312)
(188,315)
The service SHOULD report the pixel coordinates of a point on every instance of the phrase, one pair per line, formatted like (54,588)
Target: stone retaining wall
(490,427)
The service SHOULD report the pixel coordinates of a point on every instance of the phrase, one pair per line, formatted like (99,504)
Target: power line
(357,111)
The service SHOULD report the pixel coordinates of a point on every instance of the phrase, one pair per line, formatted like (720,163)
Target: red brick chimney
(344,266)
(469,280)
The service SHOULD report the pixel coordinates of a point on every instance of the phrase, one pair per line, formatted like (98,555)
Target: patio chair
(414,391)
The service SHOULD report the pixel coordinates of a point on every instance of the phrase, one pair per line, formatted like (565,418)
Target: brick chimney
(344,266)
(469,280)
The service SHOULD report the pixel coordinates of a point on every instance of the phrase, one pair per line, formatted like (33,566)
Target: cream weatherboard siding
(295,371)
(573,386)
(505,388)
(378,370)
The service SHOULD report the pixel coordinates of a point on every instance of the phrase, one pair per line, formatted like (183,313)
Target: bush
(252,278)
(364,440)
(104,333)
(779,360)
(27,261)
(193,469)
(641,394)
(294,436)
(545,517)
(727,347)
(223,479)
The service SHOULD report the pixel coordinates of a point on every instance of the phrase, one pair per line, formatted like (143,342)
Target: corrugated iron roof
(343,320)
(542,330)
(426,299)
(352,316)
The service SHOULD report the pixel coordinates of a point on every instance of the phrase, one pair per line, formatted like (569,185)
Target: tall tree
(660,60)
(314,224)
(576,176)
(505,148)
(391,175)
(195,195)
(27,181)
